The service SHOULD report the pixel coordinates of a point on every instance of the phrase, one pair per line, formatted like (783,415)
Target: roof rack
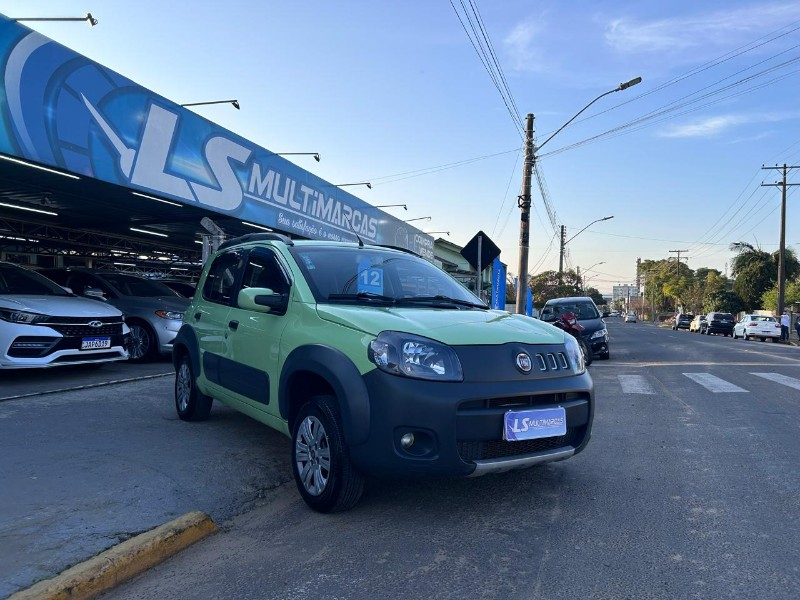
(256,237)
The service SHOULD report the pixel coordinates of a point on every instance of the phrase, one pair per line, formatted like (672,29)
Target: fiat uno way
(373,360)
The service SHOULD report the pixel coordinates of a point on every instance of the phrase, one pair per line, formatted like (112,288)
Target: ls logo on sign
(147,167)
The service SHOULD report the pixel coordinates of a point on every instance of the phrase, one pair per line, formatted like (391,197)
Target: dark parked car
(594,332)
(682,321)
(718,322)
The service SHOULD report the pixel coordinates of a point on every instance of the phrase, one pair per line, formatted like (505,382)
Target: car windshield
(20,281)
(582,309)
(376,276)
(130,285)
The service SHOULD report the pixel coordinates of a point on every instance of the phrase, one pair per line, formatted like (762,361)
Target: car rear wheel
(143,343)
(190,404)
(324,474)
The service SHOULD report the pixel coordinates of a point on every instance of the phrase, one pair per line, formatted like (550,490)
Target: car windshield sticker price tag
(370,278)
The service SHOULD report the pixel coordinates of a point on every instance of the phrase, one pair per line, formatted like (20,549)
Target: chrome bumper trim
(500,465)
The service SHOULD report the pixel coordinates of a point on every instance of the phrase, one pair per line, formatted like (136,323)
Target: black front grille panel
(73,358)
(85,330)
(38,347)
(79,326)
(480,450)
(480,424)
(517,402)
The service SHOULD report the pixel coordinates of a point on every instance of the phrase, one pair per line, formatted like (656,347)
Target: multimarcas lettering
(520,426)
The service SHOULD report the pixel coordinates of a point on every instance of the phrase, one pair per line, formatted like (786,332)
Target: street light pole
(564,242)
(525,199)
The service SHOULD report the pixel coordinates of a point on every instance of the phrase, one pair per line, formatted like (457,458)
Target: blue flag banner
(529,304)
(498,285)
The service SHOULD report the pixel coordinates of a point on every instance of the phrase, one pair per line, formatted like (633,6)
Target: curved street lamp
(525,198)
(314,154)
(391,205)
(564,243)
(417,219)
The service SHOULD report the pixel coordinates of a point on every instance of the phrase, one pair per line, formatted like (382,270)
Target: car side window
(264,271)
(222,276)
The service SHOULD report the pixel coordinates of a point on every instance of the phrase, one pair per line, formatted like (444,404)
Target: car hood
(449,326)
(62,306)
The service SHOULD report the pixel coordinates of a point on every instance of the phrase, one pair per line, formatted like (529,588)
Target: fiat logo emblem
(95,324)
(524,362)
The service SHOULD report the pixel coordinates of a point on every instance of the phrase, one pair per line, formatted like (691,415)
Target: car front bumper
(458,427)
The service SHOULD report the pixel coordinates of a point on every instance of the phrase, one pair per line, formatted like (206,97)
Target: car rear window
(723,316)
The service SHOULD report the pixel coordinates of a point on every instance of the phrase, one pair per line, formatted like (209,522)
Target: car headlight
(170,314)
(414,356)
(575,355)
(599,333)
(21,316)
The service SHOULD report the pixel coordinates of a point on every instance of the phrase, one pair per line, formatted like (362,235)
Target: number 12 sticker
(370,279)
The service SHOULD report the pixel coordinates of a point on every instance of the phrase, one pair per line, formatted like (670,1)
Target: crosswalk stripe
(713,383)
(782,379)
(635,384)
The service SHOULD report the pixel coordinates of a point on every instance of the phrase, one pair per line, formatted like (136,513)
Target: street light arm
(587,227)
(619,88)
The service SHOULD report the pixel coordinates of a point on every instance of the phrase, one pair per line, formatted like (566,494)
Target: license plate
(534,424)
(94,343)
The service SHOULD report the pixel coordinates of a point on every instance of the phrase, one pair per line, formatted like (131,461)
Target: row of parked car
(76,315)
(749,327)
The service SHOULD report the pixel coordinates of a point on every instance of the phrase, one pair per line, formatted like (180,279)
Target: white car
(757,326)
(630,317)
(44,325)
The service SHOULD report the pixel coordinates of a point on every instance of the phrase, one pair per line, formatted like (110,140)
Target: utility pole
(782,249)
(524,203)
(562,251)
(638,278)
(678,267)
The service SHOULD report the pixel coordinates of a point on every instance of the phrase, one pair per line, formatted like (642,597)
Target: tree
(723,301)
(549,284)
(756,271)
(769,300)
(595,295)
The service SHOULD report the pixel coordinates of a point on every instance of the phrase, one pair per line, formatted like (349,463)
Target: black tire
(587,351)
(605,355)
(143,346)
(775,339)
(324,474)
(190,404)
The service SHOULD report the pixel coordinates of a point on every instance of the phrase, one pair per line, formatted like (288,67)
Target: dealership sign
(61,109)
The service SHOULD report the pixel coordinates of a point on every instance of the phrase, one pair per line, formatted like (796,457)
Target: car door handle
(197,315)
(233,325)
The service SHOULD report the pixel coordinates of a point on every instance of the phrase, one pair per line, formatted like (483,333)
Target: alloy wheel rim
(140,342)
(184,387)
(313,456)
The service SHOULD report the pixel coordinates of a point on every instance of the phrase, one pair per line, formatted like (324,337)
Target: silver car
(153,311)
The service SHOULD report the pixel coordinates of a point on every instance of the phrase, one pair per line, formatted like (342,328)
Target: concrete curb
(108,569)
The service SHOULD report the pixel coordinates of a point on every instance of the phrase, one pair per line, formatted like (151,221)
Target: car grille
(79,326)
(481,450)
(475,444)
(519,401)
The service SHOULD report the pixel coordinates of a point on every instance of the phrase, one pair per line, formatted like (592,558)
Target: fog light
(407,440)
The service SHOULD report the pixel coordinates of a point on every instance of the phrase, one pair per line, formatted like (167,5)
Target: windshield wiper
(440,300)
(365,296)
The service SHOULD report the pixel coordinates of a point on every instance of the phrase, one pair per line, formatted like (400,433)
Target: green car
(374,361)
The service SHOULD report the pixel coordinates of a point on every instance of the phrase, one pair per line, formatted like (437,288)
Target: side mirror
(94,294)
(261,300)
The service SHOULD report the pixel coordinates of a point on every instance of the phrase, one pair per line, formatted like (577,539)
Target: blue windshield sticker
(370,279)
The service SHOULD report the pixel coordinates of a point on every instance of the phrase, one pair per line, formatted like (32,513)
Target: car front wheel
(190,404)
(143,343)
(324,474)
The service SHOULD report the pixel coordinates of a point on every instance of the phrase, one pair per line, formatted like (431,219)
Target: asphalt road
(688,489)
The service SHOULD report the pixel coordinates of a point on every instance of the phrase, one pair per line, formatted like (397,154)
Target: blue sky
(392,92)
